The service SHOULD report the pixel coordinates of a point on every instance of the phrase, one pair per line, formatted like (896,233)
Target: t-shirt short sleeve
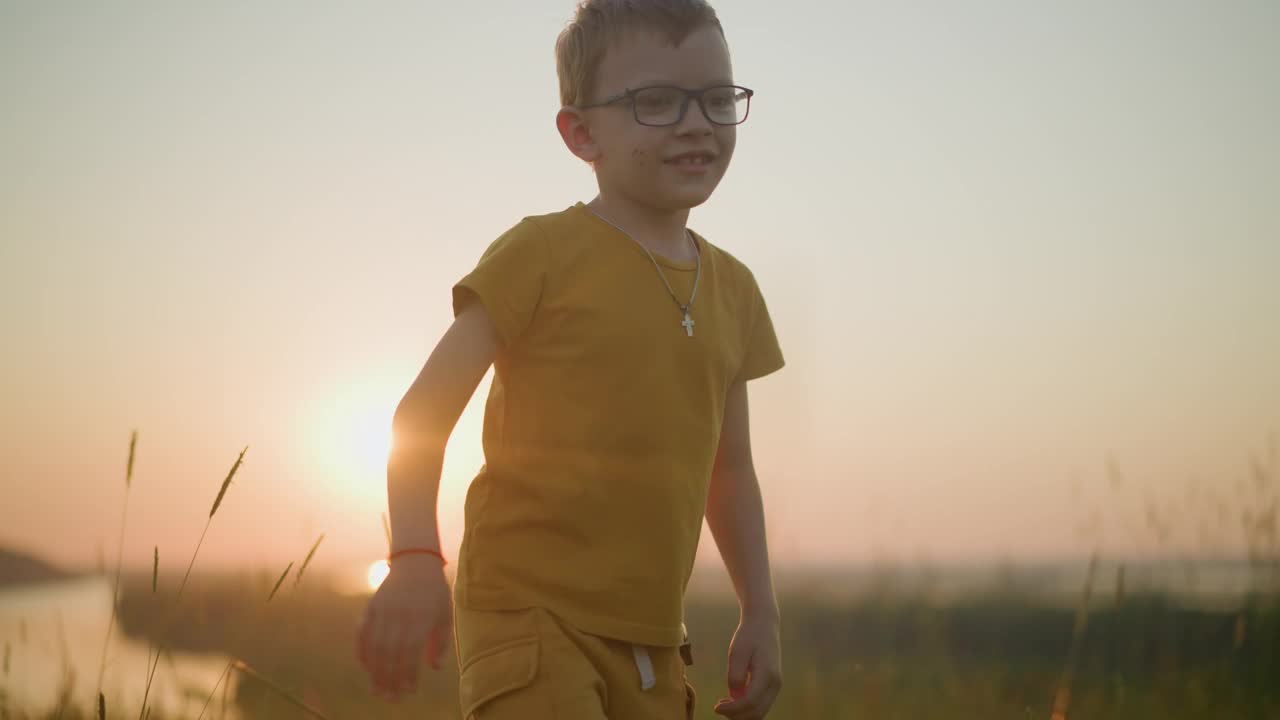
(508,280)
(763,353)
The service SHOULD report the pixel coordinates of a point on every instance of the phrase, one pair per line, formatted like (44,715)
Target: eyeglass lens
(726,105)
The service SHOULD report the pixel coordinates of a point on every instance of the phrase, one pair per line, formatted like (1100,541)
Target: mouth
(695,158)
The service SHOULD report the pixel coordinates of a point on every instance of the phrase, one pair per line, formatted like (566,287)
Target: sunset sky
(1002,242)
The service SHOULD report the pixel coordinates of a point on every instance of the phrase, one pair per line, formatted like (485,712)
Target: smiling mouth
(691,159)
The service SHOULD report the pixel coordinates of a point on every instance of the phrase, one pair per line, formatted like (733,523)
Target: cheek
(728,141)
(630,153)
(643,163)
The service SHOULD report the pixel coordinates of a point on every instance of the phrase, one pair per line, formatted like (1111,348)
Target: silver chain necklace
(687,322)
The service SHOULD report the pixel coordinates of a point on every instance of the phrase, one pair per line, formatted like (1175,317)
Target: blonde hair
(599,23)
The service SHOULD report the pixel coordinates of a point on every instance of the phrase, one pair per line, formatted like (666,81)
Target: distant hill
(20,569)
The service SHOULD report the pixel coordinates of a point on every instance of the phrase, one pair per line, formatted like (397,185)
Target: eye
(720,99)
(655,99)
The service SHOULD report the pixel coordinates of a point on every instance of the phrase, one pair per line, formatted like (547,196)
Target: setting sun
(377,573)
(350,437)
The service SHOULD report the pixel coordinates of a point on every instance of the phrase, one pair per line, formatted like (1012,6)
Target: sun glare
(377,573)
(350,439)
(373,444)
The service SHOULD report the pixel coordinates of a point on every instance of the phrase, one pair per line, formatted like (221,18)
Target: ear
(576,134)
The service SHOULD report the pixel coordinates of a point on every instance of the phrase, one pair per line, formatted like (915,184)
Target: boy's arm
(735,514)
(424,419)
(735,511)
(412,609)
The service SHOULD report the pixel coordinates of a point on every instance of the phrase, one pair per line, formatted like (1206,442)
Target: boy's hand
(409,617)
(755,668)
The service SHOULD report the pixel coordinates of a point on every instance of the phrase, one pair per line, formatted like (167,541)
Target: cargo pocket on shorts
(690,700)
(496,672)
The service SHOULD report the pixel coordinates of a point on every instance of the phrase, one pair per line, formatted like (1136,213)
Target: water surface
(54,633)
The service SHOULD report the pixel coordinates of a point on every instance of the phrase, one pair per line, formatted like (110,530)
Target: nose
(695,121)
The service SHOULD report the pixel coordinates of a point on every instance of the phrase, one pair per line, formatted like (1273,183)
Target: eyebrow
(664,82)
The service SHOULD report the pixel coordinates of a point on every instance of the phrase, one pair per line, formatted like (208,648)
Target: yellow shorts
(530,665)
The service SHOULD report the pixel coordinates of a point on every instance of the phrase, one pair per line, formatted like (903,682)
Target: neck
(662,231)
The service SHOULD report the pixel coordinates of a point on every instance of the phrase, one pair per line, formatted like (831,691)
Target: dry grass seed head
(279,582)
(225,483)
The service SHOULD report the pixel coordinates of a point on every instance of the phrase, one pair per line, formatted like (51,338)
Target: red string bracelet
(417,551)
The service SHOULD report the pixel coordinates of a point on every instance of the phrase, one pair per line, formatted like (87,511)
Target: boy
(621,343)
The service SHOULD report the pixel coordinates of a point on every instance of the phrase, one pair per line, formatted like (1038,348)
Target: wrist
(409,554)
(766,610)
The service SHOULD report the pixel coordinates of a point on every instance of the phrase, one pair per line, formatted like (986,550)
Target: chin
(693,202)
(661,196)
(684,198)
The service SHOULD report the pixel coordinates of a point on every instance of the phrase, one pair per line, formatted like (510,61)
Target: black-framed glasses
(663,105)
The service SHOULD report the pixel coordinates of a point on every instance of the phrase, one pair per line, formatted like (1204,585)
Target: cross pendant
(687,322)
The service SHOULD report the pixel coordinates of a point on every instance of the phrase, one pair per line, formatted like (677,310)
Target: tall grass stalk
(115,588)
(67,686)
(230,663)
(1062,699)
(217,502)
(253,673)
(245,668)
(155,575)
(280,582)
(307,561)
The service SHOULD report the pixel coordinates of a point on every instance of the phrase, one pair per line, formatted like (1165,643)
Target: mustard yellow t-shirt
(602,422)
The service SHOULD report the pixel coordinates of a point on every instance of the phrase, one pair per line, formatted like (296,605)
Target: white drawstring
(644,665)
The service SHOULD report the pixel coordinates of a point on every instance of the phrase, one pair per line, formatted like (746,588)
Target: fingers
(413,631)
(390,645)
(440,642)
(385,641)
(740,684)
(433,652)
(760,694)
(739,664)
(404,644)
(396,673)
(740,654)
(405,673)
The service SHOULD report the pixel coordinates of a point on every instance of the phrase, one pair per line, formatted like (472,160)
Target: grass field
(885,652)
(881,657)
(881,654)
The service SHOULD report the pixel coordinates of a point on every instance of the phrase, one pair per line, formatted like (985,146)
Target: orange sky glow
(1023,263)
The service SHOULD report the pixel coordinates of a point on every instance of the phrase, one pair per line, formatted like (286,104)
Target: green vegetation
(872,657)
(890,652)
